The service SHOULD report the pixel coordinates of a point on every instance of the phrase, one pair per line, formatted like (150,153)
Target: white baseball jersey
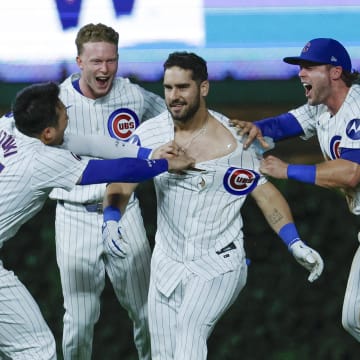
(28,170)
(198,215)
(117,115)
(82,259)
(335,132)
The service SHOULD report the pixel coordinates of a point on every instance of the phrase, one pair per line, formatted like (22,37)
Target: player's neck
(337,98)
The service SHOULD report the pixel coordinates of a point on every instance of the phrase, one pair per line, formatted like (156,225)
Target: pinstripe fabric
(80,253)
(331,133)
(191,284)
(29,169)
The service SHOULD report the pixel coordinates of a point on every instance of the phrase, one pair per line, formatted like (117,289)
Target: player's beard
(187,113)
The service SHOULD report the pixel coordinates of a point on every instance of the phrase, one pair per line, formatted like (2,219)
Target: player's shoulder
(7,122)
(67,83)
(161,120)
(121,82)
(220,117)
(155,129)
(354,93)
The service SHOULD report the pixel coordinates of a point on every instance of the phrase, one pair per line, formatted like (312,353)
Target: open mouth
(102,79)
(307,88)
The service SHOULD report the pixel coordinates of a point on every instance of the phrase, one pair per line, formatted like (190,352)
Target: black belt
(89,207)
(229,247)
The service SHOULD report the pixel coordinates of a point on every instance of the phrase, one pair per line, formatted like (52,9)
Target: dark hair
(350,78)
(95,33)
(188,61)
(35,108)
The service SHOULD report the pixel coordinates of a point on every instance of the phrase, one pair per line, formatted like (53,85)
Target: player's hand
(274,167)
(308,258)
(249,132)
(166,151)
(113,240)
(181,162)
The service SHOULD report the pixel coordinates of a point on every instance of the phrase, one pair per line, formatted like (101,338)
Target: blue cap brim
(296,60)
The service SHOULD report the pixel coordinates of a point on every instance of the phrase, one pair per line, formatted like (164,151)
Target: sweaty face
(98,63)
(182,94)
(316,82)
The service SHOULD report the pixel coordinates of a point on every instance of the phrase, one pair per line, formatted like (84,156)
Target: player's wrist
(303,173)
(289,235)
(111,213)
(144,153)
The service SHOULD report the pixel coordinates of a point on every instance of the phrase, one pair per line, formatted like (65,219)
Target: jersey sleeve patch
(353,129)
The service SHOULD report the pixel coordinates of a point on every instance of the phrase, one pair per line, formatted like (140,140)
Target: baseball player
(332,113)
(198,266)
(99,103)
(28,171)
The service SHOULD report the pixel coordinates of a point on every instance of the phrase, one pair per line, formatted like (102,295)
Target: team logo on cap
(306,47)
(334,147)
(353,129)
(122,123)
(240,181)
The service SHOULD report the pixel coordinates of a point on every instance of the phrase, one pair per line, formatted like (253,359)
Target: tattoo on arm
(275,217)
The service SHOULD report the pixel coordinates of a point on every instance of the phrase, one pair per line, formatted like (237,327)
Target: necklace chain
(196,135)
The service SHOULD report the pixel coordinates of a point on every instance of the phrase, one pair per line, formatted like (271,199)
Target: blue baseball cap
(323,51)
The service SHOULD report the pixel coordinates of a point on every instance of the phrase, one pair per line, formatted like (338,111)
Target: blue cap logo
(323,51)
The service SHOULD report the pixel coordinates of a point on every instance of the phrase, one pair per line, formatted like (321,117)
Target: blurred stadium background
(279,315)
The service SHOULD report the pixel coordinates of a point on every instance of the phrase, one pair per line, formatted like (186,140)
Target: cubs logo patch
(122,123)
(240,181)
(353,129)
(334,147)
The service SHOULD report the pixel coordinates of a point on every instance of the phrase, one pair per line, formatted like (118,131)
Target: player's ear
(79,62)
(336,72)
(204,88)
(47,135)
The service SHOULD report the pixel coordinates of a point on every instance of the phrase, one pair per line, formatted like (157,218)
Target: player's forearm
(103,147)
(122,170)
(273,205)
(117,195)
(338,173)
(280,127)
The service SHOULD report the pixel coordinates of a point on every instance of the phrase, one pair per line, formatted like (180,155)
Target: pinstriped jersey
(199,211)
(341,130)
(116,114)
(28,171)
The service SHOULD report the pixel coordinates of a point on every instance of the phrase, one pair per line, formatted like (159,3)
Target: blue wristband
(289,234)
(304,173)
(112,213)
(143,153)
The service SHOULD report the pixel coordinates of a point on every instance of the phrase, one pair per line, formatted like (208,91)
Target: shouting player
(28,171)
(99,103)
(198,266)
(332,113)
